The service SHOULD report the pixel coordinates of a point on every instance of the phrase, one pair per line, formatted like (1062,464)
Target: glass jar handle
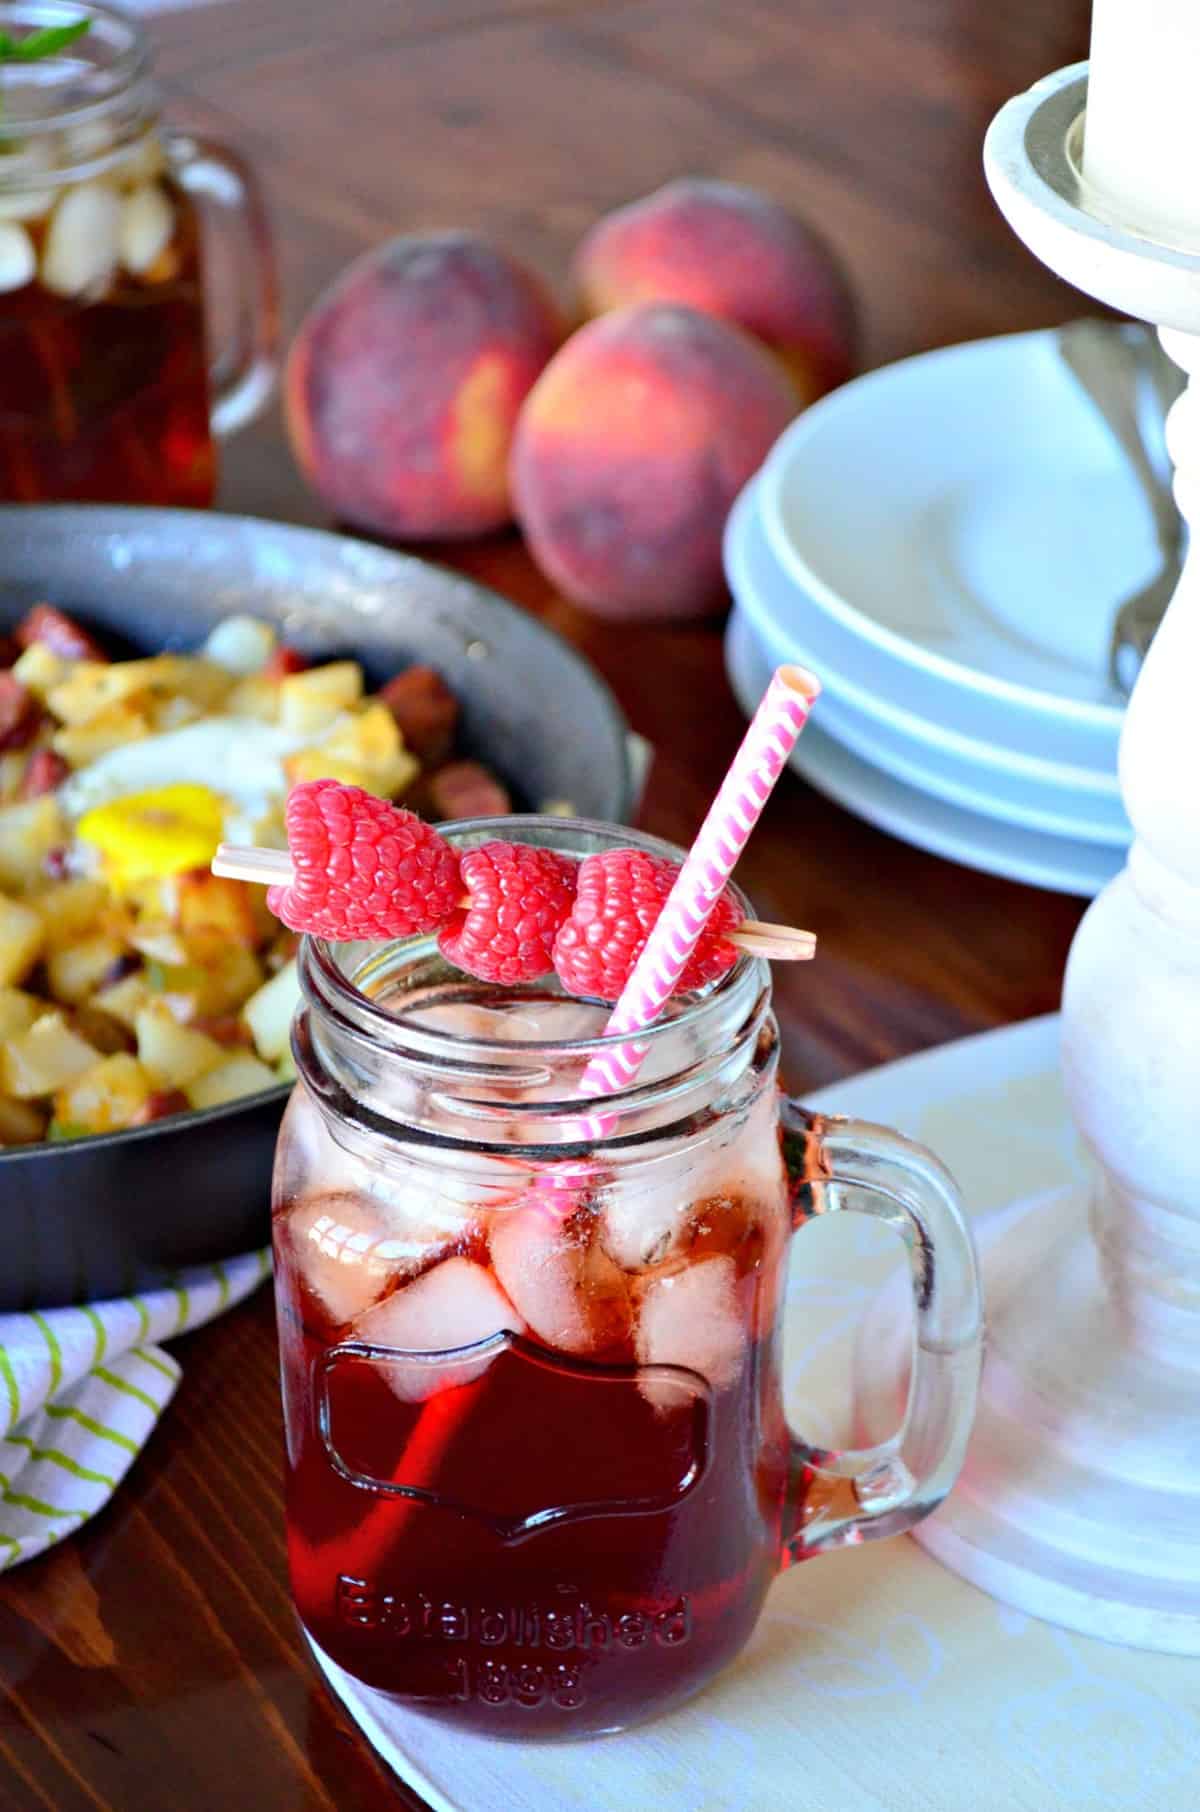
(859,1494)
(242,376)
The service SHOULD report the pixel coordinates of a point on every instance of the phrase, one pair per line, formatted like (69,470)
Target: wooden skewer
(273,868)
(269,867)
(780,943)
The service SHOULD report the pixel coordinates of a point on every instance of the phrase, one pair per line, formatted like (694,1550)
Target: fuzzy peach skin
(735,253)
(630,450)
(404,382)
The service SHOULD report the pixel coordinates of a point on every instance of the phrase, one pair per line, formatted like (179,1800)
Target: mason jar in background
(110,390)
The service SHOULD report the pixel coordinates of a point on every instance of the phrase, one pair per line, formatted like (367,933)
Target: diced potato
(312,700)
(371,736)
(13,763)
(256,696)
(211,905)
(124,1000)
(394,779)
(20,1123)
(314,764)
(28,832)
(81,743)
(39,669)
(20,940)
(69,910)
(151,896)
(91,689)
(172,713)
(174,1055)
(17,1011)
(159,941)
(77,970)
(105,1096)
(44,1059)
(241,644)
(237,1076)
(269,1013)
(285,1069)
(368,742)
(94,689)
(192,676)
(212,982)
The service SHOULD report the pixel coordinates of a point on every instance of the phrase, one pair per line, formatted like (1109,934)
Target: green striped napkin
(80,1392)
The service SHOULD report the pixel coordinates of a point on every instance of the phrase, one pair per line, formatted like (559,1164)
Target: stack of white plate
(945,542)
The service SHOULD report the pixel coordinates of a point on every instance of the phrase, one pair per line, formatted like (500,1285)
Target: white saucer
(958,530)
(1058,863)
(1078,803)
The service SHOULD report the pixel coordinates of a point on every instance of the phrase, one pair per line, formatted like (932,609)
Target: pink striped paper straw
(732,816)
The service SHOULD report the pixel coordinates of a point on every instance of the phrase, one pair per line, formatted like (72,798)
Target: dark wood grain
(154,1661)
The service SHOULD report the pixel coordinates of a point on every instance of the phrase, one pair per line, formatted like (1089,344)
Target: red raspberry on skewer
(363,868)
(619,894)
(519,897)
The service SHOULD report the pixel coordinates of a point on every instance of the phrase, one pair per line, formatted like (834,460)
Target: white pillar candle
(1141,148)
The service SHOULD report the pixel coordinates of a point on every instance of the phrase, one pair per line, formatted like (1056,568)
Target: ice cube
(478,1021)
(553,1021)
(651,1229)
(535,1020)
(691,1318)
(454,1305)
(351,1247)
(641,1228)
(308,1159)
(559,1276)
(429,1196)
(746,1159)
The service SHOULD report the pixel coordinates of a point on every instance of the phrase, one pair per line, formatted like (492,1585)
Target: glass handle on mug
(850,1166)
(242,374)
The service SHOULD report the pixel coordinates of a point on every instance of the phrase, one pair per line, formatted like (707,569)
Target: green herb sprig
(35,45)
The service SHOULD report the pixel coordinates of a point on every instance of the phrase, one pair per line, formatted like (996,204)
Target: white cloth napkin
(81,1389)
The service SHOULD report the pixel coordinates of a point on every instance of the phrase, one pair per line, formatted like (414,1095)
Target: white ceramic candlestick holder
(1080,1498)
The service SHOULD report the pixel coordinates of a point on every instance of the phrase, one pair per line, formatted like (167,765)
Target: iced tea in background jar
(110,390)
(539,1477)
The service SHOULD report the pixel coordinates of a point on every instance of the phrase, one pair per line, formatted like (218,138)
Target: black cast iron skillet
(98,1217)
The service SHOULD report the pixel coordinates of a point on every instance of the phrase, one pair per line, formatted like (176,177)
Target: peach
(630,450)
(404,382)
(735,253)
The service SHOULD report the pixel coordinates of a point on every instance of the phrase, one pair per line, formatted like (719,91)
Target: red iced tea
(576,1520)
(104,396)
(538,1472)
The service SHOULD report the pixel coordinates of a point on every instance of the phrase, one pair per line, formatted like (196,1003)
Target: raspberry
(364,868)
(519,898)
(619,894)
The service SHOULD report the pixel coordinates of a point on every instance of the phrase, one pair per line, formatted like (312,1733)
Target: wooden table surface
(153,1662)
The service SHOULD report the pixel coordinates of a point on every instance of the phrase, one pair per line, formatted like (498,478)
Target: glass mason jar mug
(107,392)
(539,1474)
